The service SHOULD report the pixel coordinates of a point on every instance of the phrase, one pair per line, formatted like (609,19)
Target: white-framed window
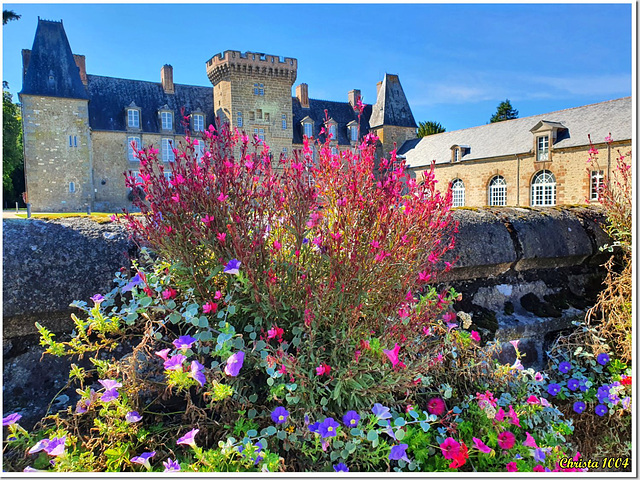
(333,132)
(136,174)
(239,119)
(543,148)
(130,152)
(199,150)
(167,120)
(198,122)
(167,150)
(168,176)
(284,121)
(308,129)
(72,187)
(498,191)
(258,89)
(597,177)
(543,189)
(73,141)
(457,190)
(133,118)
(456,154)
(354,133)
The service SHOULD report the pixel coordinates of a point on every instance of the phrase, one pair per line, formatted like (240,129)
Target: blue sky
(455,62)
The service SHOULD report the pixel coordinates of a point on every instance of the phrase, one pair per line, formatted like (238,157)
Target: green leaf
(204,322)
(252,335)
(252,413)
(158,336)
(271,430)
(248,328)
(260,345)
(282,435)
(400,434)
(372,435)
(146,301)
(425,426)
(399,422)
(413,413)
(334,455)
(350,447)
(338,444)
(252,433)
(355,432)
(231,309)
(175,317)
(270,381)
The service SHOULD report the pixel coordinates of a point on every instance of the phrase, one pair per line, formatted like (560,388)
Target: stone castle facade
(78,128)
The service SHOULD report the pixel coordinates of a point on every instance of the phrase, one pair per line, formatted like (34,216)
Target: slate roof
(52,71)
(341,112)
(514,136)
(109,96)
(392,107)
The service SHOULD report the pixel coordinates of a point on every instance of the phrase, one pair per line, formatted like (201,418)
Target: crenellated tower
(252,91)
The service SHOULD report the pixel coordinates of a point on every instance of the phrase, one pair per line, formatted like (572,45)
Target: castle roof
(110,96)
(341,112)
(392,107)
(515,136)
(52,71)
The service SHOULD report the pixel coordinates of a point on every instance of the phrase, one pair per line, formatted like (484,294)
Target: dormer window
(197,120)
(307,126)
(133,116)
(333,131)
(542,153)
(167,120)
(456,154)
(353,131)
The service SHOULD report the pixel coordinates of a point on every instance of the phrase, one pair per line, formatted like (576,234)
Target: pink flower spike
(189,438)
(392,355)
(475,336)
(163,353)
(530,441)
(480,445)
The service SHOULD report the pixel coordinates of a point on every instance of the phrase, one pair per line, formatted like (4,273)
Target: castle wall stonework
(58,175)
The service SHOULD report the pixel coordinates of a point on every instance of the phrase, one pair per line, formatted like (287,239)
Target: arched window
(543,189)
(498,191)
(72,187)
(457,189)
(239,121)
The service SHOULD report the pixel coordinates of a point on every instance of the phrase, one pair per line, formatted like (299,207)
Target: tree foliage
(504,112)
(12,156)
(430,128)
(8,15)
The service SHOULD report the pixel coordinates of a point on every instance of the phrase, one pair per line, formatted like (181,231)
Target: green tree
(505,112)
(429,128)
(8,15)
(12,155)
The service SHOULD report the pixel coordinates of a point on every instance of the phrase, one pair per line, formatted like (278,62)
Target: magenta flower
(210,307)
(399,452)
(11,419)
(436,406)
(175,362)
(450,448)
(184,342)
(512,467)
(197,372)
(480,445)
(475,336)
(279,415)
(189,438)
(323,369)
(144,459)
(506,440)
(233,267)
(163,354)
(171,466)
(234,364)
(132,417)
(530,441)
(392,355)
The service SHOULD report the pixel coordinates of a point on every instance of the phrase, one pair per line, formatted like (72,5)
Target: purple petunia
(315,427)
(97,298)
(579,407)
(399,452)
(188,438)
(234,364)
(564,367)
(133,417)
(197,372)
(573,384)
(279,415)
(601,410)
(137,280)
(40,445)
(328,428)
(233,267)
(55,446)
(341,467)
(184,342)
(539,455)
(603,393)
(381,411)
(110,390)
(171,466)
(553,389)
(175,362)
(144,459)
(351,419)
(603,359)
(11,419)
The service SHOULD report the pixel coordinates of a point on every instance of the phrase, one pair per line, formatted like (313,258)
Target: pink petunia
(506,440)
(450,448)
(210,307)
(533,400)
(475,336)
(512,467)
(530,441)
(163,353)
(323,369)
(392,355)
(188,438)
(480,445)
(514,416)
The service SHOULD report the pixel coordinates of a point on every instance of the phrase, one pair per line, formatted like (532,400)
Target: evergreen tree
(430,128)
(12,155)
(8,15)
(505,112)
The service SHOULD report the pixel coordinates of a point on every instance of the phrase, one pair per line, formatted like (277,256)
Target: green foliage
(429,128)
(12,154)
(504,112)
(9,15)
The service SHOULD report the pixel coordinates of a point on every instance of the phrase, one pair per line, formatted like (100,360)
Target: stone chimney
(80,62)
(378,88)
(166,74)
(302,94)
(354,96)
